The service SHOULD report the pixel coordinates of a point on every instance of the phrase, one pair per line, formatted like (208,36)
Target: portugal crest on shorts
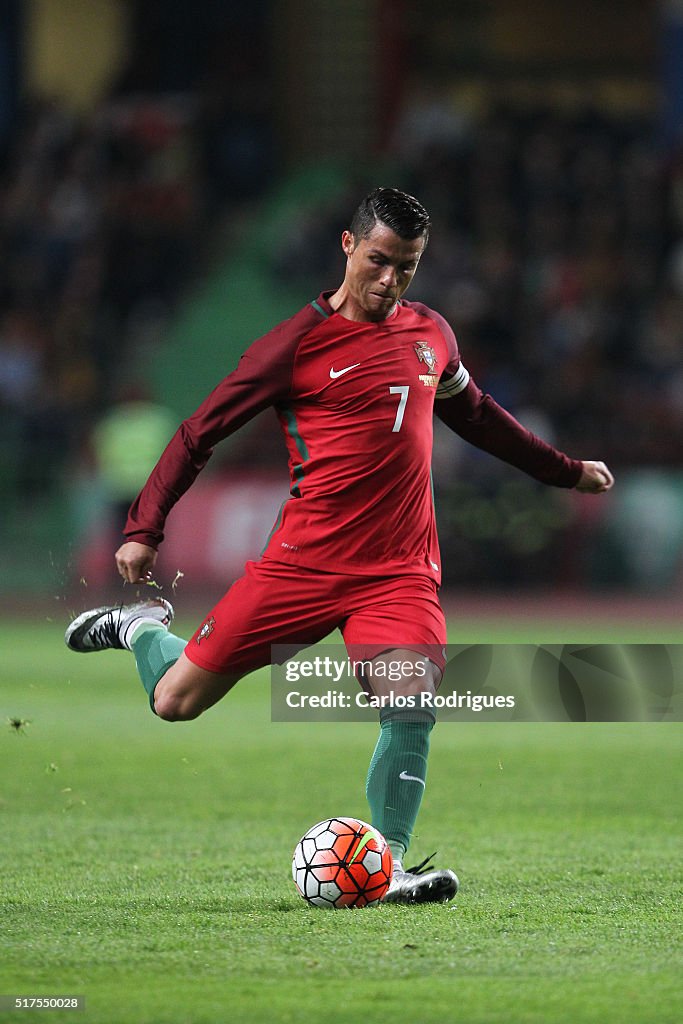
(207,629)
(426,354)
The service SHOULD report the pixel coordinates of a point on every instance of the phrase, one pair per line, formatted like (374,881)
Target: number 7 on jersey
(402,390)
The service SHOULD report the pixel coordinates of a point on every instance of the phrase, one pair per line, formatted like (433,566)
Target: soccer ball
(342,862)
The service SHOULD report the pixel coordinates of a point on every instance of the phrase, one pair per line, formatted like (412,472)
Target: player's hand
(135,562)
(595,478)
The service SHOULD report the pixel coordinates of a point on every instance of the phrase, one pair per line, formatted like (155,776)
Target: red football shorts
(277,603)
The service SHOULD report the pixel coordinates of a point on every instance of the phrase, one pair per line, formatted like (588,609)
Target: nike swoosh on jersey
(339,373)
(411,778)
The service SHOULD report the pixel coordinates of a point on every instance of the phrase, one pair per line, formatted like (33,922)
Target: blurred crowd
(557,255)
(98,221)
(105,221)
(559,269)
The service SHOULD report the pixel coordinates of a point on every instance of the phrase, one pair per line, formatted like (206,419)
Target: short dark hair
(406,217)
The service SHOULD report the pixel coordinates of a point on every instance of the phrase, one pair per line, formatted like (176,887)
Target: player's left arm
(595,478)
(478,418)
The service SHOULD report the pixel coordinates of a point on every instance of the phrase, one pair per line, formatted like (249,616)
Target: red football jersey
(356,403)
(359,432)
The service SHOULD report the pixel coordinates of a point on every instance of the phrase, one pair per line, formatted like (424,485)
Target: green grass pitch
(146,866)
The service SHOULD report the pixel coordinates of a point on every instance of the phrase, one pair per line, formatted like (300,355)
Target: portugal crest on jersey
(425,353)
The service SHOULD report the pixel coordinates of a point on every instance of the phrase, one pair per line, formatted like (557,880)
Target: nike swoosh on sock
(411,778)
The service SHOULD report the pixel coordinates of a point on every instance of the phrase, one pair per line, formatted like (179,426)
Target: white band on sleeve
(452,386)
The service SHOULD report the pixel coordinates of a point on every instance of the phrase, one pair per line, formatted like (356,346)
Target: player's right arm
(262,378)
(249,389)
(135,562)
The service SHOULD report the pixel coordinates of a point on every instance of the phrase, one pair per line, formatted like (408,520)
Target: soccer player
(355,377)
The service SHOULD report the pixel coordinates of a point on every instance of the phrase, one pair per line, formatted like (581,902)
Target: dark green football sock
(398,773)
(155,650)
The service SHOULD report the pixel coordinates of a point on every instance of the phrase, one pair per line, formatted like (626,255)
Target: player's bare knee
(175,708)
(402,672)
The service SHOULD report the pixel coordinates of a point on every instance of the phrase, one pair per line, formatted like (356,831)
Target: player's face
(379,268)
